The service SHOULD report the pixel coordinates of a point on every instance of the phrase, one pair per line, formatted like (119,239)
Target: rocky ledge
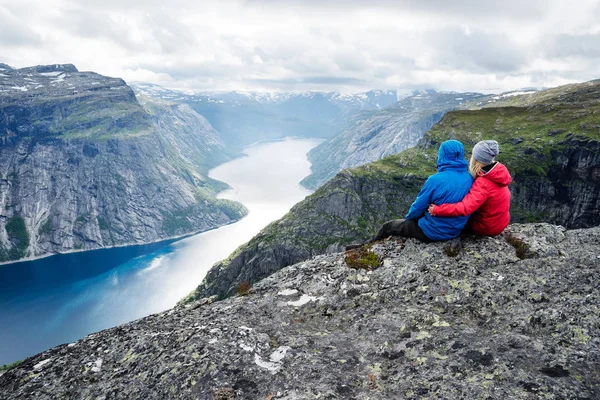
(515,316)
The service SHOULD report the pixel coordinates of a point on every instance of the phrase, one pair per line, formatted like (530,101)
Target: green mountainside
(58,101)
(550,143)
(84,165)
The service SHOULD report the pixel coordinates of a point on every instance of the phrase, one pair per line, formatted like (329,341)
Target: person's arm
(419,206)
(467,206)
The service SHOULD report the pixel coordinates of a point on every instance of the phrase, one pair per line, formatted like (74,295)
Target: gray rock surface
(84,165)
(510,317)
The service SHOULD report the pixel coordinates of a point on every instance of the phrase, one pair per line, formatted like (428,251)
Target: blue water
(62,298)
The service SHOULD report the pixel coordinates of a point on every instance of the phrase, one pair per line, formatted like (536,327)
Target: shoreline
(169,239)
(102,252)
(166,241)
(284,139)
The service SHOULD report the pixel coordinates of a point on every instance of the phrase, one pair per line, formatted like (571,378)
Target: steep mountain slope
(248,117)
(83,165)
(552,148)
(373,135)
(192,138)
(473,319)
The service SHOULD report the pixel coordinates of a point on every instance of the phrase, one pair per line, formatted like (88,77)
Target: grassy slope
(106,111)
(527,134)
(527,127)
(531,130)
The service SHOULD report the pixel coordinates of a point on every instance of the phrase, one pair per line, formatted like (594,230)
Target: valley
(126,179)
(62,298)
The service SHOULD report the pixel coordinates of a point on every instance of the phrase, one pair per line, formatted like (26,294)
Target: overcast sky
(349,46)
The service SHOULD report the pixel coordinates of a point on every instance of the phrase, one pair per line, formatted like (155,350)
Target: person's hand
(430,209)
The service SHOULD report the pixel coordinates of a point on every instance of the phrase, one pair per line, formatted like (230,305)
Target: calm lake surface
(62,298)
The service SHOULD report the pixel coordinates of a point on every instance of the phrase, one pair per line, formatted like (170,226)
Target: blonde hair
(475,167)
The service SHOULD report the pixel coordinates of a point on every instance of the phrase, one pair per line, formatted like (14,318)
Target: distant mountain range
(243,118)
(368,100)
(372,135)
(358,128)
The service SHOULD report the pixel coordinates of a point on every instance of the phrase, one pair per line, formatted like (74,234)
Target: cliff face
(373,135)
(551,145)
(83,165)
(510,317)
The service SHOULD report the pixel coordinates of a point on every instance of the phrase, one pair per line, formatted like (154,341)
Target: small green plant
(362,258)
(451,251)
(453,248)
(8,367)
(244,288)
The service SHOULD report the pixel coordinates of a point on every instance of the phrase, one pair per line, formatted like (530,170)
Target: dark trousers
(402,227)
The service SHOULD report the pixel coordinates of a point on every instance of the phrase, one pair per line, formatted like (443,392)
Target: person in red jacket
(489,198)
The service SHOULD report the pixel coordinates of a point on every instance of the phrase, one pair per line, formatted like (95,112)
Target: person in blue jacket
(449,185)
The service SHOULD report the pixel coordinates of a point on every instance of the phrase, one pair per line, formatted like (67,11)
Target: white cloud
(14,31)
(307,45)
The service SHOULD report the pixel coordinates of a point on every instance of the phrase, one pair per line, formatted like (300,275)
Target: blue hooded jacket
(449,185)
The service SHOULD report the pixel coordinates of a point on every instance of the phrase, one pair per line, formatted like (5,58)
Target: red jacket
(488,201)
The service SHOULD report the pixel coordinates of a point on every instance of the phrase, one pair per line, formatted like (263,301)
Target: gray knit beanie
(485,151)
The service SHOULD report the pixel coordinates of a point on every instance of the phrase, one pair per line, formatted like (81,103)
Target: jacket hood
(498,174)
(451,156)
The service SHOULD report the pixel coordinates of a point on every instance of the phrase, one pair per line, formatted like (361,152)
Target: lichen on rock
(481,323)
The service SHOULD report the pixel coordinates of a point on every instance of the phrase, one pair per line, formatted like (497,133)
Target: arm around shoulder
(468,205)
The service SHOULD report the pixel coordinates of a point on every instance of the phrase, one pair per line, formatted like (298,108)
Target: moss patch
(362,258)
